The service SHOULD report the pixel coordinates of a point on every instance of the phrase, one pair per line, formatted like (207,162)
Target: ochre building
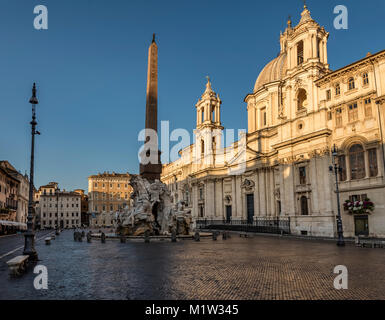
(108,194)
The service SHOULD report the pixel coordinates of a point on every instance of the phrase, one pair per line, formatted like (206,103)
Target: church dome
(275,70)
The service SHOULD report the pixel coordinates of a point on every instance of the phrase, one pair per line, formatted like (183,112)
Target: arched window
(338,89)
(301,99)
(203,115)
(304,206)
(300,52)
(365,78)
(351,84)
(357,162)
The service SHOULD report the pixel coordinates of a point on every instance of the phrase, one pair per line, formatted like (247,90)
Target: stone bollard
(224,236)
(103,237)
(197,236)
(122,239)
(215,235)
(147,237)
(89,237)
(173,235)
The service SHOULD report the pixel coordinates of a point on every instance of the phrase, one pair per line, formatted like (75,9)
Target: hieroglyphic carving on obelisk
(151,170)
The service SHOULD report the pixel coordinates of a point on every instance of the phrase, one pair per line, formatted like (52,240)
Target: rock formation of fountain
(153,211)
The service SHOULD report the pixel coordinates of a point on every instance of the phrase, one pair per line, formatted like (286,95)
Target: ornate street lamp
(29,236)
(337,169)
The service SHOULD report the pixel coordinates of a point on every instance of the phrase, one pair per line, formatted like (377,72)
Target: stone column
(240,202)
(325,54)
(262,190)
(315,185)
(194,199)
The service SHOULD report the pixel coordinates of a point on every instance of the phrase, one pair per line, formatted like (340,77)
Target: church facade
(298,112)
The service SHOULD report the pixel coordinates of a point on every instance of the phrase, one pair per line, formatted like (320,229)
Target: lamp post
(337,169)
(29,236)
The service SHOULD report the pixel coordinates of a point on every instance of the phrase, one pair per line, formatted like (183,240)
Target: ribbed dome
(275,70)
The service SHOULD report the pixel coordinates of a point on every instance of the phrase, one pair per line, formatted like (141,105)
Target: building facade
(57,208)
(8,202)
(299,109)
(85,216)
(22,192)
(108,194)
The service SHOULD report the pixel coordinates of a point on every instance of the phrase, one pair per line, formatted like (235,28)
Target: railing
(11,204)
(259,225)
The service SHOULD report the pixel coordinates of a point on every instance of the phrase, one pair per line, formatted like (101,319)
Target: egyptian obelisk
(152,171)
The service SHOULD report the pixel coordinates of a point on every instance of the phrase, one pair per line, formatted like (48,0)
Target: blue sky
(90,67)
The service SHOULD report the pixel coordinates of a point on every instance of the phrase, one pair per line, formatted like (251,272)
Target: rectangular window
(338,90)
(339,117)
(373,168)
(302,175)
(263,117)
(353,112)
(328,95)
(368,108)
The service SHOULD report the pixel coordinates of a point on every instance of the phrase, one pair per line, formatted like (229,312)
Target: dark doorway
(304,206)
(250,207)
(228,213)
(201,211)
(361,225)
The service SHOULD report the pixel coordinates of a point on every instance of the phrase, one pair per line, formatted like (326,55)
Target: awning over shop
(13,224)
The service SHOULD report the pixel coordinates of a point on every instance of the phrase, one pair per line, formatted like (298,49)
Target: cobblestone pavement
(253,268)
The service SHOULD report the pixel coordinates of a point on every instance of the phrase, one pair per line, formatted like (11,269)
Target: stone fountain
(153,211)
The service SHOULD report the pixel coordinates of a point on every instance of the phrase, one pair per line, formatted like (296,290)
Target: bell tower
(305,43)
(208,133)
